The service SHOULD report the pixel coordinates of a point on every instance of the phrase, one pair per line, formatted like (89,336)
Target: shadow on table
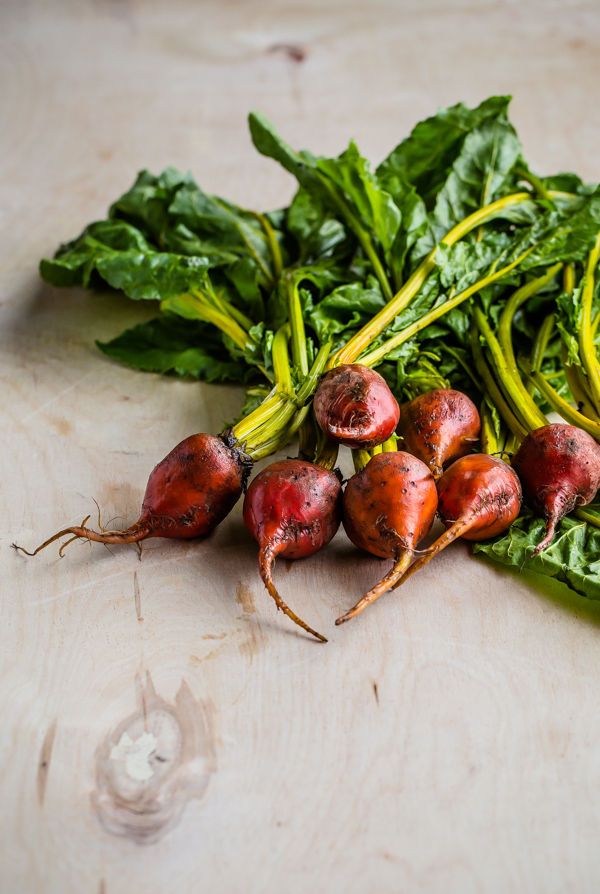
(39,314)
(553,590)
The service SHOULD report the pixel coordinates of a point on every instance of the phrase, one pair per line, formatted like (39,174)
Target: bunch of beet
(477,497)
(294,508)
(556,469)
(390,506)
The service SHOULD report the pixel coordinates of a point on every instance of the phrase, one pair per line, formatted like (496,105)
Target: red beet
(355,407)
(389,507)
(479,496)
(188,493)
(559,468)
(293,509)
(439,427)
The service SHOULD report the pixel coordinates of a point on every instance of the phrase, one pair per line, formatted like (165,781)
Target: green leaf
(572,557)
(568,321)
(177,216)
(480,172)
(458,267)
(259,350)
(410,372)
(376,208)
(346,308)
(317,232)
(246,293)
(74,262)
(345,185)
(323,276)
(568,183)
(221,226)
(301,164)
(425,158)
(564,234)
(414,223)
(171,344)
(146,204)
(123,258)
(152,276)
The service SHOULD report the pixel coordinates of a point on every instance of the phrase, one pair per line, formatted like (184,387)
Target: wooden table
(449,741)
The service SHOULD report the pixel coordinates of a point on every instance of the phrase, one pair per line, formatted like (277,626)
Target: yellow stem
(402,299)
(374,357)
(587,349)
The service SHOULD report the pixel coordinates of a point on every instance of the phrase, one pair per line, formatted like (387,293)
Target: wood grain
(447,741)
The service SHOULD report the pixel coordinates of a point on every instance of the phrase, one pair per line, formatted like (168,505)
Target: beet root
(479,496)
(354,406)
(293,509)
(188,493)
(439,427)
(559,469)
(389,507)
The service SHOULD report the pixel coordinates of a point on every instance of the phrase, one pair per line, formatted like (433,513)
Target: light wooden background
(448,740)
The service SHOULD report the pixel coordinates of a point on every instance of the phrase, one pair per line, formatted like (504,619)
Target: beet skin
(439,427)
(188,493)
(293,509)
(479,497)
(559,468)
(354,406)
(480,494)
(389,507)
(193,488)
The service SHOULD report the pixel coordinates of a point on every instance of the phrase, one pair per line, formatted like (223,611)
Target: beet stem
(131,535)
(459,528)
(386,583)
(266,558)
(353,348)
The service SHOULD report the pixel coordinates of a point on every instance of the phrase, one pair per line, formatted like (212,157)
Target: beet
(354,406)
(389,507)
(293,509)
(439,427)
(559,468)
(479,496)
(188,493)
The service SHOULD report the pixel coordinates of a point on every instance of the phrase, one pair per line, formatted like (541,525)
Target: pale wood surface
(449,740)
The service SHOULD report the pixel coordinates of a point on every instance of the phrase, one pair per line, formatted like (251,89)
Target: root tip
(343,618)
(546,541)
(265,561)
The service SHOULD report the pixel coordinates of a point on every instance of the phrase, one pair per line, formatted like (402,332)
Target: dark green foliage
(572,557)
(171,344)
(425,158)
(345,310)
